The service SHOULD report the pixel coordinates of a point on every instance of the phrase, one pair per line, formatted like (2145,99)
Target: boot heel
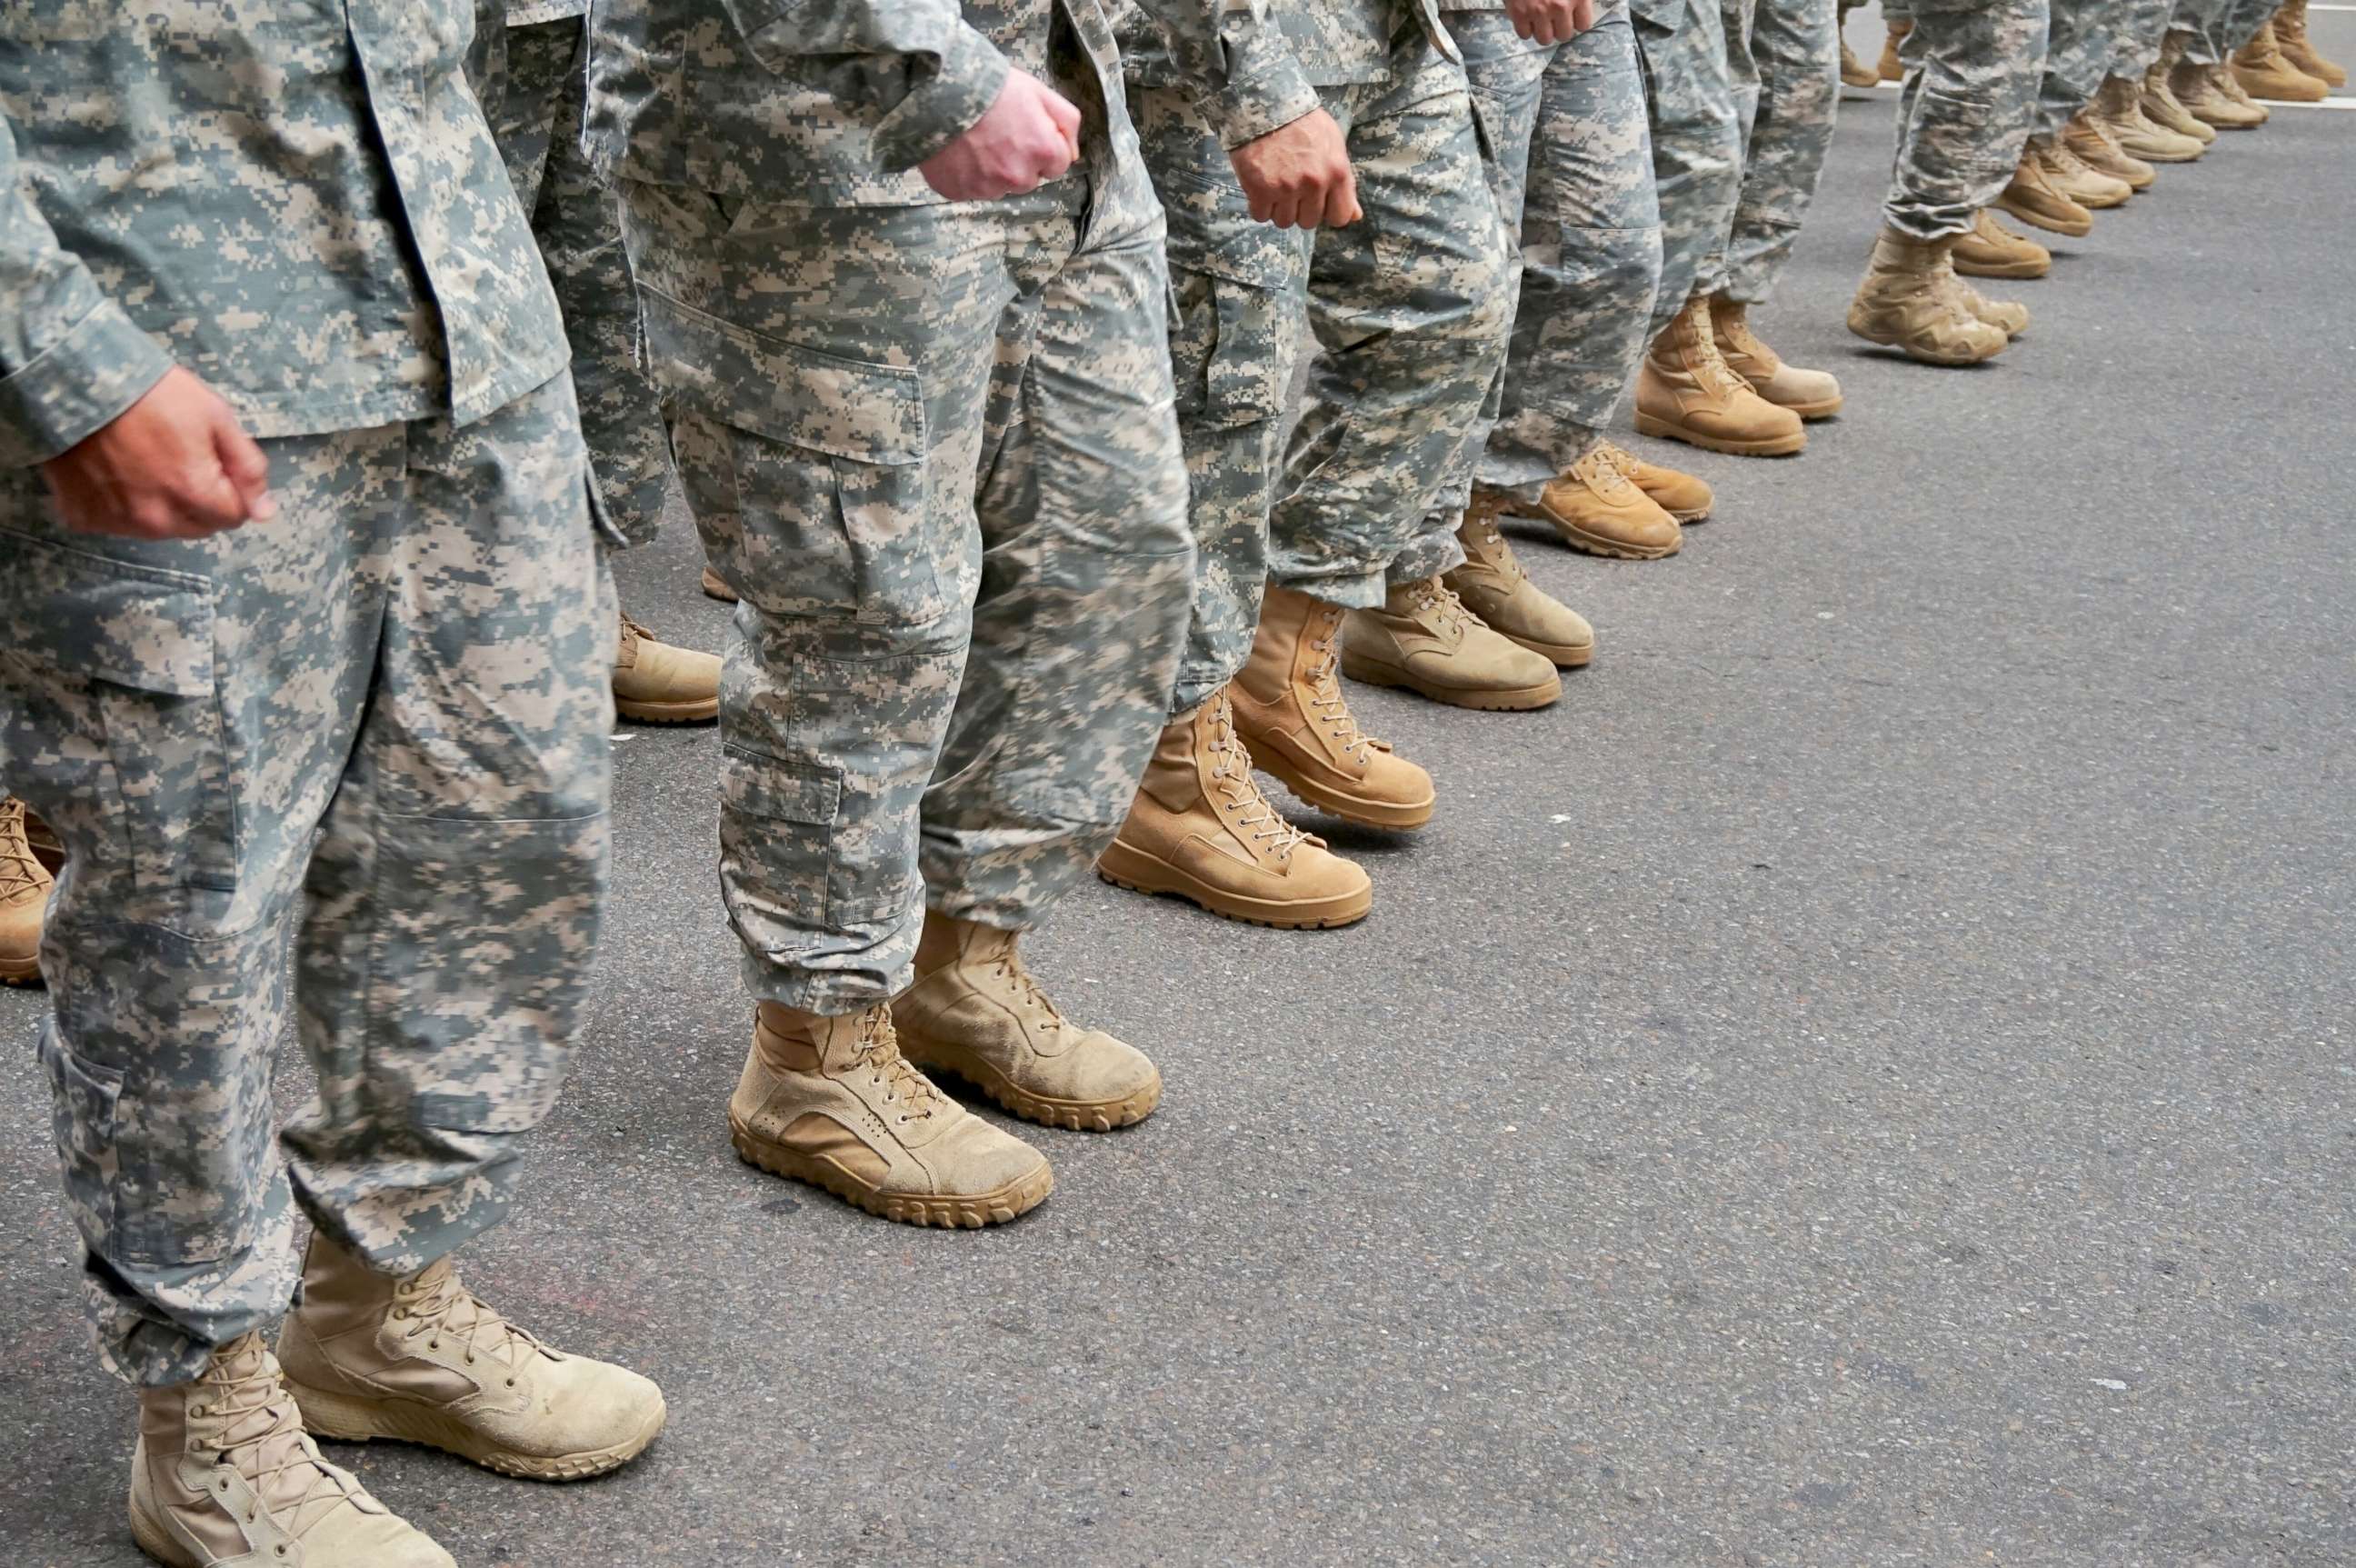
(155,1541)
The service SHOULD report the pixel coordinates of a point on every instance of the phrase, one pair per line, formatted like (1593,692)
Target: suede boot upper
(1493,585)
(1911,299)
(24,887)
(1686,391)
(1425,640)
(655,683)
(1290,711)
(1811,394)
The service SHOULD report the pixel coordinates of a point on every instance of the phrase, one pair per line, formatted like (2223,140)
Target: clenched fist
(175,465)
(1030,135)
(1298,176)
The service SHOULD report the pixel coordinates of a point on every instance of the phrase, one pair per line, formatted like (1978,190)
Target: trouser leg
(1590,260)
(1973,66)
(453,902)
(1410,308)
(1235,332)
(1086,566)
(1696,149)
(1796,46)
(2077,57)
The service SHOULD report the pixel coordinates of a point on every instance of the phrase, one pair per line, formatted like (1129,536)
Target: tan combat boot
(715,587)
(225,1477)
(1684,497)
(2240,96)
(25,885)
(1493,586)
(2006,316)
(1686,391)
(975,1011)
(1993,251)
(2210,96)
(831,1101)
(1424,640)
(1892,68)
(420,1359)
(2161,106)
(1200,829)
(1811,394)
(2119,109)
(2086,136)
(1596,507)
(2264,72)
(656,684)
(2290,33)
(2034,198)
(1855,72)
(1289,709)
(2080,181)
(1911,299)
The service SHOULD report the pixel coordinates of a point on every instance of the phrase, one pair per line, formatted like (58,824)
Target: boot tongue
(435,1304)
(879,1049)
(251,1425)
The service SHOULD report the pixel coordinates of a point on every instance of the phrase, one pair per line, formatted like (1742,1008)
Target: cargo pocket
(806,469)
(779,875)
(82,1101)
(1228,350)
(138,640)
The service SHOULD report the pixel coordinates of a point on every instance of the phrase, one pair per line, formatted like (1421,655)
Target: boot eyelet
(510,1383)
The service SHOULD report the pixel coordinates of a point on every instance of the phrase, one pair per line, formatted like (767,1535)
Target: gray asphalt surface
(1866,1080)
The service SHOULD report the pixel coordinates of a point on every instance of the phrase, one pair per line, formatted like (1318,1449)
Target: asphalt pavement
(1869,1078)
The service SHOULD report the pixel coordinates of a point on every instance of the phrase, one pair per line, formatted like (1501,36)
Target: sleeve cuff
(971,75)
(80,385)
(1266,90)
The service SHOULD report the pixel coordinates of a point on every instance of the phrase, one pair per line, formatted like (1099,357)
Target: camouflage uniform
(1972,74)
(379,719)
(929,443)
(1573,178)
(1701,90)
(2080,41)
(528,67)
(2218,27)
(1409,306)
(1794,48)
(2138,28)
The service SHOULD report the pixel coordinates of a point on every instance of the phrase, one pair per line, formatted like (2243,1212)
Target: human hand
(1030,135)
(1298,176)
(175,465)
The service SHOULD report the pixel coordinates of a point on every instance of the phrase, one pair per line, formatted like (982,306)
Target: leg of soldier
(1794,48)
(2139,34)
(2260,67)
(2200,52)
(1590,257)
(1854,71)
(1086,567)
(1701,86)
(1973,68)
(1410,307)
(826,370)
(1507,75)
(1236,331)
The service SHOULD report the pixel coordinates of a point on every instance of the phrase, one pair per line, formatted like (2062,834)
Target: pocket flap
(762,786)
(868,414)
(91,614)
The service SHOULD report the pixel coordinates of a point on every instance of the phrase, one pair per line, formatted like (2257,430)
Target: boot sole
(1150,873)
(2050,225)
(339,1418)
(2152,157)
(1824,410)
(668,713)
(1349,808)
(1776,446)
(1893,340)
(1016,1200)
(1071,1115)
(1595,544)
(2012,270)
(1562,655)
(1515,700)
(26,973)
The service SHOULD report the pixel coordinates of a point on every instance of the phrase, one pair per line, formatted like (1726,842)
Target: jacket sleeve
(71,361)
(1233,58)
(930,72)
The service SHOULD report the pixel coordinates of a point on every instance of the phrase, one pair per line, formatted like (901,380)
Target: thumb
(1067,118)
(242,460)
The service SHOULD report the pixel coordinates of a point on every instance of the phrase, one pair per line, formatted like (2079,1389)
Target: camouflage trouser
(378,720)
(2138,28)
(1701,90)
(1408,306)
(2080,36)
(1573,173)
(2214,27)
(532,82)
(1972,71)
(1795,49)
(932,447)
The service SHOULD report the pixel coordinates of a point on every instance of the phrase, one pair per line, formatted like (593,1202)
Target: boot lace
(1493,549)
(1611,467)
(259,1432)
(1326,704)
(1708,366)
(1232,773)
(20,873)
(879,1050)
(1434,598)
(1008,966)
(438,1308)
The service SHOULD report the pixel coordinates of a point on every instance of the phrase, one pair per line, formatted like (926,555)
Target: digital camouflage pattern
(1573,179)
(2216,28)
(1699,107)
(1795,49)
(932,447)
(2138,28)
(1972,72)
(425,297)
(2081,41)
(411,656)
(532,77)
(409,663)
(1331,43)
(1408,308)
